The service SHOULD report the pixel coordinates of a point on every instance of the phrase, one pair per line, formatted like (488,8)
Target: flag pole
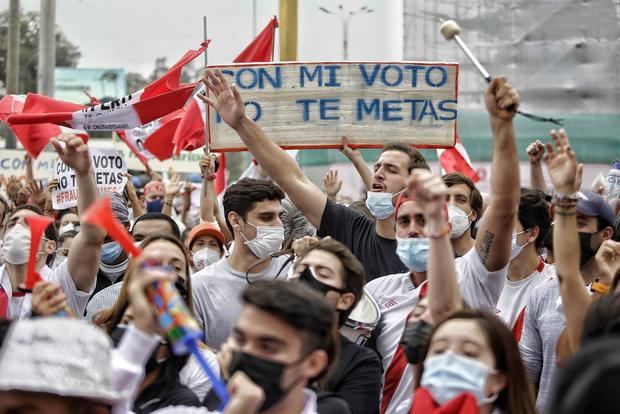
(207,147)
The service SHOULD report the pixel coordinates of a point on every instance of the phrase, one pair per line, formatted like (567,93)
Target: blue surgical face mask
(515,249)
(110,252)
(154,206)
(413,252)
(380,204)
(448,375)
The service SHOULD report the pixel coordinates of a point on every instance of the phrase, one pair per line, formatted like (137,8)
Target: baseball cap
(594,205)
(205,229)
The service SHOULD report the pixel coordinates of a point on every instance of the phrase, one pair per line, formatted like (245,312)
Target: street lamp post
(345,18)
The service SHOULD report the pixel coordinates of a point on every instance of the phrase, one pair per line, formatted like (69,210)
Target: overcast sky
(130,34)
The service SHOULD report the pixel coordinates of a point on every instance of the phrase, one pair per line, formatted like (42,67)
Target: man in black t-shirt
(374,244)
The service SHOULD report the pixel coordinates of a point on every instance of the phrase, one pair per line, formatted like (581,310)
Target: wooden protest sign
(312,105)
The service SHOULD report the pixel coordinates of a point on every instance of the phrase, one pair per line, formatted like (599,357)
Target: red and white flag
(456,159)
(35,137)
(156,100)
(191,132)
(135,139)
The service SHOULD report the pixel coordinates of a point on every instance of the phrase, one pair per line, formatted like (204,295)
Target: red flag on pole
(261,48)
(37,224)
(100,214)
(36,136)
(156,100)
(456,159)
(190,133)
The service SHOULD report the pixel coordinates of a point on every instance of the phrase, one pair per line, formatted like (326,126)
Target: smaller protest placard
(109,168)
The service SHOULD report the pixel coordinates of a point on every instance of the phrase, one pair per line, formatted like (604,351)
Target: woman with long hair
(471,364)
(161,385)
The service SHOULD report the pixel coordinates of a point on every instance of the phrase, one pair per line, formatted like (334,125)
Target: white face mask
(205,257)
(515,249)
(68,227)
(459,221)
(16,245)
(268,240)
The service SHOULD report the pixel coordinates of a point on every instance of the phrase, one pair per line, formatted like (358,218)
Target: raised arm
(29,171)
(430,193)
(358,162)
(208,199)
(83,258)
(495,233)
(535,152)
(209,205)
(281,168)
(562,166)
(136,206)
(172,189)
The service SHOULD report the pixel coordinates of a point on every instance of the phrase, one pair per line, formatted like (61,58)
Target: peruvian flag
(135,139)
(457,160)
(191,132)
(35,137)
(156,100)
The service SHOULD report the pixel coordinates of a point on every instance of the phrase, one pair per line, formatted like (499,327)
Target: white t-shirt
(217,290)
(21,306)
(511,304)
(397,297)
(479,288)
(193,376)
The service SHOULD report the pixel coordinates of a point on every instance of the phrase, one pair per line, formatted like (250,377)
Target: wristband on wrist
(211,177)
(561,199)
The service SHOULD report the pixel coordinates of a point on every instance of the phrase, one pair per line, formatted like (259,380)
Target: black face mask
(414,339)
(151,364)
(585,240)
(264,373)
(309,278)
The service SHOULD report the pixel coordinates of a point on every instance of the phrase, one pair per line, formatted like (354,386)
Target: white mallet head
(449,29)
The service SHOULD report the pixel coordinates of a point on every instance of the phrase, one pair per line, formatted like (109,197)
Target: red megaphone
(37,224)
(100,214)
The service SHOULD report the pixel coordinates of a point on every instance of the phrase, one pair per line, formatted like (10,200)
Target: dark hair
(302,308)
(174,228)
(602,319)
(66,235)
(109,318)
(354,275)
(517,396)
(475,198)
(534,212)
(245,193)
(64,212)
(416,160)
(588,381)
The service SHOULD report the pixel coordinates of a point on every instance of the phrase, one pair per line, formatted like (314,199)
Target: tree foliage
(67,54)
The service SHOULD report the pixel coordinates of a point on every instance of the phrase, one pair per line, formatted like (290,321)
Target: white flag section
(135,138)
(312,105)
(110,169)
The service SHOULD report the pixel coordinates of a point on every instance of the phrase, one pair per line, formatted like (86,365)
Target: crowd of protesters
(426,297)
